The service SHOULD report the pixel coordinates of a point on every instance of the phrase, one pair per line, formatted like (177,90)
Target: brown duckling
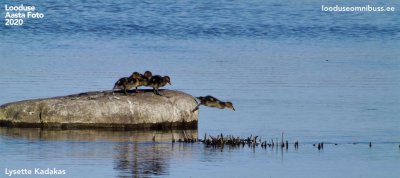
(211,101)
(157,81)
(145,78)
(138,77)
(127,83)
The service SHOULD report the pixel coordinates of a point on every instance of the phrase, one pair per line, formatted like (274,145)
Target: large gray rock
(104,109)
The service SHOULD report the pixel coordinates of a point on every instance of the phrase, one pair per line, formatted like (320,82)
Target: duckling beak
(233,108)
(169,83)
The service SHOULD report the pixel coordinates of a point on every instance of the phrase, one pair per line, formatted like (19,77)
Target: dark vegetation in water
(221,140)
(235,141)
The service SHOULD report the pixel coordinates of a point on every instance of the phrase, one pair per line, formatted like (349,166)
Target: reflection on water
(133,153)
(93,153)
(96,135)
(133,159)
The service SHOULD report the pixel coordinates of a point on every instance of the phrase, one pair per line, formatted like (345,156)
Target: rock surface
(104,109)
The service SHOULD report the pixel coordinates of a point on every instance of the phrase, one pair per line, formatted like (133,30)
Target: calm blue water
(287,67)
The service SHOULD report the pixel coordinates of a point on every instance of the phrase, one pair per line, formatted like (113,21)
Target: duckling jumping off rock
(157,81)
(127,83)
(211,101)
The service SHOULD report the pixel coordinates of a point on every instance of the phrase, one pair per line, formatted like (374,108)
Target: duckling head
(136,75)
(166,79)
(229,105)
(147,74)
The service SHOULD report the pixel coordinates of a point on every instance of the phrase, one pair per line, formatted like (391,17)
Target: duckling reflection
(127,83)
(157,81)
(211,101)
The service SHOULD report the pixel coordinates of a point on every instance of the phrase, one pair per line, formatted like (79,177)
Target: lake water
(331,77)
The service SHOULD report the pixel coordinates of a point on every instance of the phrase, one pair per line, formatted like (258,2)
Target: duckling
(127,83)
(157,81)
(145,78)
(211,101)
(137,77)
